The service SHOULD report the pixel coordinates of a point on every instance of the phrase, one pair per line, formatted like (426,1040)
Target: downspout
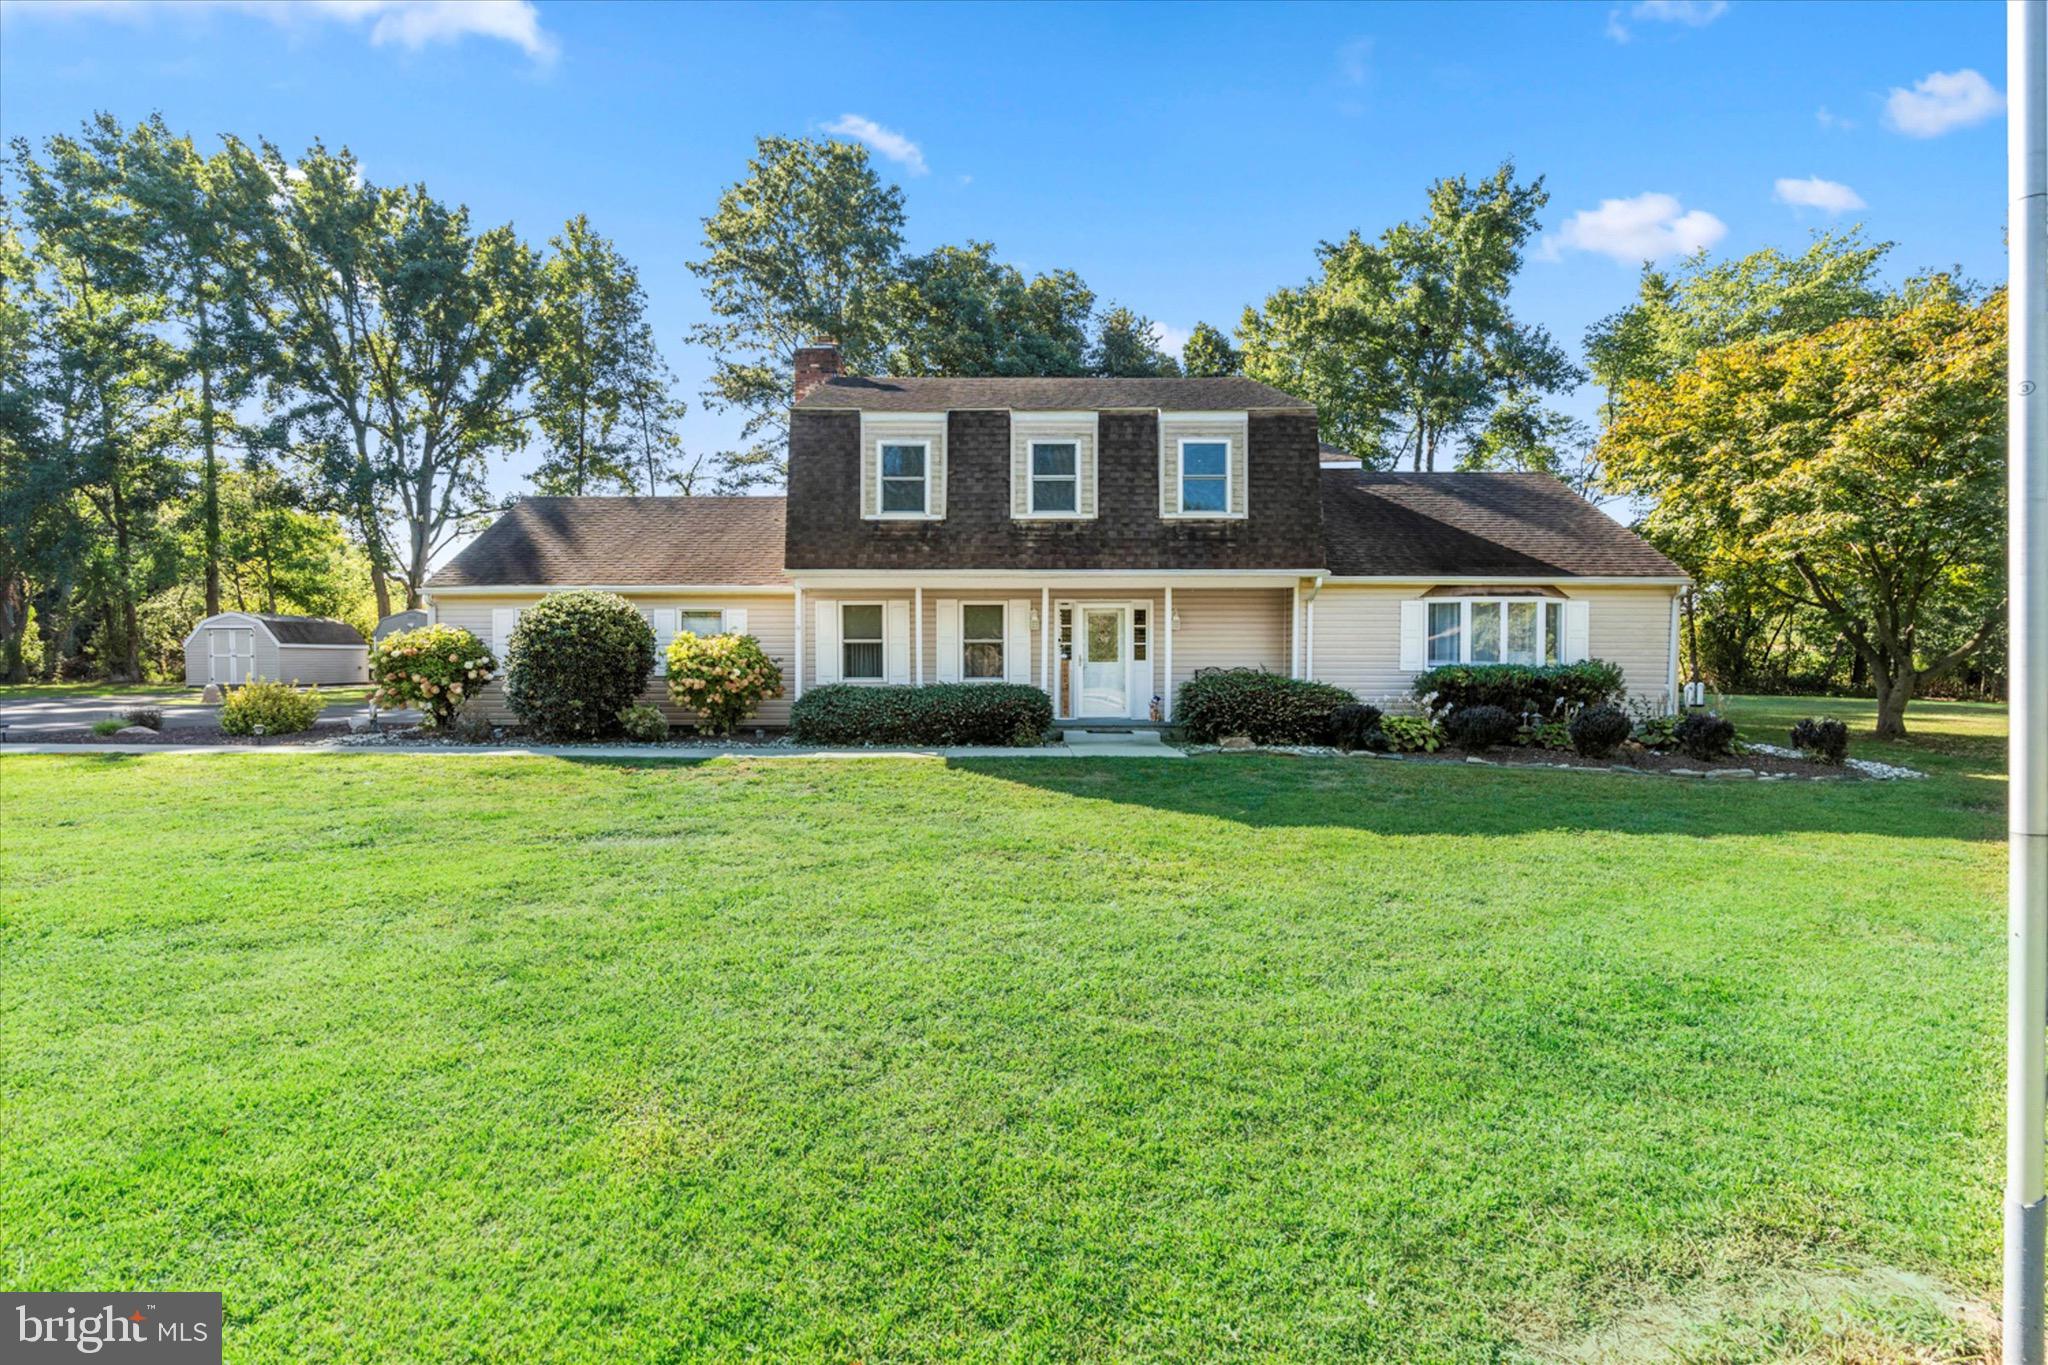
(1308,630)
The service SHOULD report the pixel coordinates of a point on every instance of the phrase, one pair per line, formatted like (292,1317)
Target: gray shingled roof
(1516,525)
(309,630)
(624,541)
(1229,393)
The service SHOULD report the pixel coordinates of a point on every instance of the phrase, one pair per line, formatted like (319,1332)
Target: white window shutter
(949,639)
(735,620)
(1577,632)
(896,640)
(663,622)
(825,619)
(504,620)
(1414,637)
(1017,644)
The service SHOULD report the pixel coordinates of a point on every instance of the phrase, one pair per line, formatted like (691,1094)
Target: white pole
(2026,1086)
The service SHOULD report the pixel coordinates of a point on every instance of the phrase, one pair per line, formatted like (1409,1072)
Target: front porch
(1110,649)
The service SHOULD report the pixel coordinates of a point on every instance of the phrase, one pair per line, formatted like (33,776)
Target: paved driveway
(25,719)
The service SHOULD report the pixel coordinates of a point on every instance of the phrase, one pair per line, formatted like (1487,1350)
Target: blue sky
(1184,159)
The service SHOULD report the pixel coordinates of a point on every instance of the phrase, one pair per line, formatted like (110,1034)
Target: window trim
(923,443)
(1180,466)
(881,642)
(1002,640)
(1465,605)
(1031,477)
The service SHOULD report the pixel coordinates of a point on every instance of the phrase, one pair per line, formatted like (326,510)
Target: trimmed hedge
(1704,735)
(1357,726)
(278,708)
(1598,731)
(1272,709)
(1551,691)
(1481,727)
(942,713)
(576,660)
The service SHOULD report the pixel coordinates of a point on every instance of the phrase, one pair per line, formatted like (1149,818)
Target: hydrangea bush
(433,670)
(720,677)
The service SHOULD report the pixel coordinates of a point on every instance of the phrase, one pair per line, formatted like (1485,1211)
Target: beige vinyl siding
(1230,628)
(1173,430)
(770,619)
(306,665)
(874,432)
(1357,637)
(1026,428)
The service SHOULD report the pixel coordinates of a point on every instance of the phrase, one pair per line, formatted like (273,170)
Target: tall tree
(1127,347)
(656,417)
(1406,345)
(805,245)
(1858,471)
(597,350)
(960,311)
(1209,354)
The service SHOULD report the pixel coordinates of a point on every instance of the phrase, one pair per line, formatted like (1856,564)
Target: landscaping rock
(1483,762)
(1235,742)
(359,725)
(1685,772)
(135,732)
(1733,772)
(211,696)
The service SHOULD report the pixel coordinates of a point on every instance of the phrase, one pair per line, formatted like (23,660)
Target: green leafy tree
(1209,354)
(597,354)
(1857,471)
(805,245)
(1127,347)
(959,311)
(1407,345)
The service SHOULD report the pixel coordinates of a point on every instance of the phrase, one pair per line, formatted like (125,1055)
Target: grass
(1245,1056)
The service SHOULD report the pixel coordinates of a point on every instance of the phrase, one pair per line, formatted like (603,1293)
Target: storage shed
(400,620)
(239,646)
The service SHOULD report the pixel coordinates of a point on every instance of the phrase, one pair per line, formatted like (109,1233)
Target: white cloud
(411,24)
(1942,102)
(1830,196)
(1829,119)
(1354,61)
(886,141)
(1687,13)
(1170,339)
(1649,227)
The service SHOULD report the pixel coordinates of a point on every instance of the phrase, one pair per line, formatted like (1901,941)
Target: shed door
(231,654)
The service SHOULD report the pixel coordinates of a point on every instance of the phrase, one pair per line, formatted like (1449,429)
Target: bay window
(1515,630)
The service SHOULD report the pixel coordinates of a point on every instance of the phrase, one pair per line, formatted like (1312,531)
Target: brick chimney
(815,364)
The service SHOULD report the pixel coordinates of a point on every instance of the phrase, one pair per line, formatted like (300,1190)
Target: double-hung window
(981,641)
(1446,633)
(1055,477)
(1492,631)
(906,466)
(701,623)
(860,641)
(1205,476)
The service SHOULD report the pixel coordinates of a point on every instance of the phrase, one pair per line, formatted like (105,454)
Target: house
(1102,539)
(242,646)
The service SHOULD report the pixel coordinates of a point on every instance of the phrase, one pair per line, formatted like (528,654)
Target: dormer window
(906,478)
(1055,478)
(1204,477)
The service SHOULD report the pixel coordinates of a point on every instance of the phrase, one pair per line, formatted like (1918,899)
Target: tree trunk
(211,476)
(128,668)
(1894,690)
(13,628)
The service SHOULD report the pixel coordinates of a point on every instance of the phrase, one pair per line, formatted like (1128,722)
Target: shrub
(944,713)
(1543,734)
(1250,701)
(1598,731)
(107,725)
(1821,738)
(149,717)
(1704,735)
(1411,734)
(1657,732)
(643,722)
(1356,726)
(721,677)
(575,661)
(1481,727)
(470,726)
(278,708)
(431,670)
(1552,691)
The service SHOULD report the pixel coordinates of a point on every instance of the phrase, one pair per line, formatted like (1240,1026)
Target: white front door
(1102,654)
(231,654)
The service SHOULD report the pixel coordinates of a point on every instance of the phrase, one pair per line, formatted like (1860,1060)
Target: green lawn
(435,1058)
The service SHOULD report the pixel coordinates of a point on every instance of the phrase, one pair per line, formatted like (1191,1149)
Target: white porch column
(1045,646)
(1166,654)
(1294,630)
(917,635)
(797,668)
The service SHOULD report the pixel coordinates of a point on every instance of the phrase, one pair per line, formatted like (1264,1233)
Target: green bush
(108,725)
(644,723)
(152,717)
(1822,739)
(1272,709)
(1411,734)
(432,670)
(278,708)
(1598,731)
(943,713)
(1551,691)
(575,661)
(1356,726)
(1481,727)
(1704,735)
